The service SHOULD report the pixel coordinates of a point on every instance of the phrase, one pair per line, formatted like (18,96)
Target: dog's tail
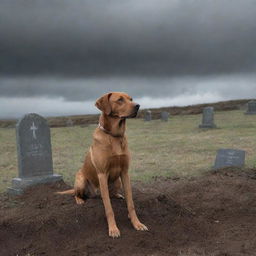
(66,192)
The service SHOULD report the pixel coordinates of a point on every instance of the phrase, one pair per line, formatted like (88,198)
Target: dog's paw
(79,200)
(119,196)
(114,232)
(139,226)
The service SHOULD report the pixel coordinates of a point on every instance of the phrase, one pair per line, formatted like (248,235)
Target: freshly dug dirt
(212,215)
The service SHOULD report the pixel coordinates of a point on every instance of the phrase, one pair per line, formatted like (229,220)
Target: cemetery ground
(189,209)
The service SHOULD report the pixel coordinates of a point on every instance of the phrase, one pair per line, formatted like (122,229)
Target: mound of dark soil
(211,215)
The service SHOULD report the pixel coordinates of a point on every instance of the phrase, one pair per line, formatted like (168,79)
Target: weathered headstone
(208,118)
(251,108)
(69,122)
(229,157)
(34,154)
(164,116)
(147,116)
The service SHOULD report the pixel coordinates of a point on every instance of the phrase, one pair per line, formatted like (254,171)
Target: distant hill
(84,120)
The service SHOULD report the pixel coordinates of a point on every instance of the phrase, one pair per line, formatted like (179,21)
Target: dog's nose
(137,106)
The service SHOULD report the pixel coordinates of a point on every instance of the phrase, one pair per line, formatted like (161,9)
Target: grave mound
(210,215)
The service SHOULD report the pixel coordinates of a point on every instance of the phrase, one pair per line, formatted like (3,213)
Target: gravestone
(229,157)
(34,154)
(69,123)
(164,116)
(208,118)
(147,116)
(251,108)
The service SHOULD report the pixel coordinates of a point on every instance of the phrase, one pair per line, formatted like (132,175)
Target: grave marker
(34,154)
(164,116)
(147,116)
(229,157)
(69,123)
(208,118)
(251,108)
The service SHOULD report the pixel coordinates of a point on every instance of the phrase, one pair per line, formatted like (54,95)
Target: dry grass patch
(174,148)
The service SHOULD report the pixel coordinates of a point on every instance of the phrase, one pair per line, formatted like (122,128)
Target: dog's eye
(120,100)
(131,99)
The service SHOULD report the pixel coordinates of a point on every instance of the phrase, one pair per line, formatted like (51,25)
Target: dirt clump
(210,215)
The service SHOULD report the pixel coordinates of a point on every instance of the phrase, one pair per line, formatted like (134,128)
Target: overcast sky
(57,57)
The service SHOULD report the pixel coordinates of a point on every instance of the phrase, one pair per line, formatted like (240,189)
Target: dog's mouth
(133,115)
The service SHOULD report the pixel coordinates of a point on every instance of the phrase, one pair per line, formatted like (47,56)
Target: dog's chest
(119,157)
(119,147)
(117,164)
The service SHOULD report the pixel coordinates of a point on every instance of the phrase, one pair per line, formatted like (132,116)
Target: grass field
(175,148)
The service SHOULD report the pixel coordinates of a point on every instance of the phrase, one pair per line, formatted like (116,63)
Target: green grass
(174,148)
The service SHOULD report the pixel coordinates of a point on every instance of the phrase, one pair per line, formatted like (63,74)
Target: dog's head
(117,104)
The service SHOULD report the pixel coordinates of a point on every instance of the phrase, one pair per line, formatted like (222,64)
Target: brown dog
(107,162)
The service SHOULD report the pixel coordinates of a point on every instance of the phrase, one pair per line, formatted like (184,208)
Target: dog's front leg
(130,205)
(112,228)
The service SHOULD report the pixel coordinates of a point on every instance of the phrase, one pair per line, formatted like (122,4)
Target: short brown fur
(106,165)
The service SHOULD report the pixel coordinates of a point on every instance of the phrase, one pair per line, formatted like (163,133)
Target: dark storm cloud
(76,89)
(160,37)
(77,96)
(84,89)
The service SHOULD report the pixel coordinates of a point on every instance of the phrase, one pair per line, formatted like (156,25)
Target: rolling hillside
(84,120)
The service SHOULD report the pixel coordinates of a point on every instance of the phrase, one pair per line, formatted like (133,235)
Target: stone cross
(147,116)
(34,153)
(229,157)
(251,108)
(164,116)
(208,118)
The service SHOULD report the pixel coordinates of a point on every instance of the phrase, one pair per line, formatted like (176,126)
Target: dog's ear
(103,103)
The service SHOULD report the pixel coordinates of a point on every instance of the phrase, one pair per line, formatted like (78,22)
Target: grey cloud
(77,89)
(68,96)
(93,38)
(84,89)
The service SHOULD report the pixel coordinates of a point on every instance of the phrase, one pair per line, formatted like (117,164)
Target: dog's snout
(137,106)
